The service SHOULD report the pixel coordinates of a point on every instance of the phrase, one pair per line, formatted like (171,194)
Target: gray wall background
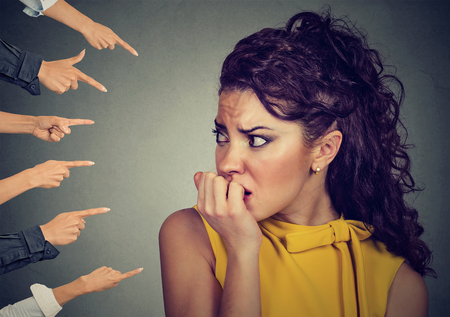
(152,130)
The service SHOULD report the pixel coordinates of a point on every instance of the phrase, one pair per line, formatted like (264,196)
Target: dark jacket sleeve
(20,68)
(25,247)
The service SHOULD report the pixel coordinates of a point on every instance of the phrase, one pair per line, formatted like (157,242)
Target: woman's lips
(247,194)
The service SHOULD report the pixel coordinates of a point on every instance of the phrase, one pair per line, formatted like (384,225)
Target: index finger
(78,163)
(80,122)
(131,273)
(91,81)
(90,212)
(126,46)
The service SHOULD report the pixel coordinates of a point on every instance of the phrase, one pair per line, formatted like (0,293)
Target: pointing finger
(91,81)
(78,163)
(127,47)
(90,212)
(79,122)
(131,273)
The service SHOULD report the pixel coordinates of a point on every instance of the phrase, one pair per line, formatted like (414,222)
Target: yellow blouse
(335,269)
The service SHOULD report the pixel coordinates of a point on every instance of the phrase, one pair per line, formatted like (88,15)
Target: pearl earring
(317,171)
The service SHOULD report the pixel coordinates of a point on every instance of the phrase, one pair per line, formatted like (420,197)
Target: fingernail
(104,89)
(83,220)
(140,269)
(65,130)
(106,209)
(136,53)
(92,163)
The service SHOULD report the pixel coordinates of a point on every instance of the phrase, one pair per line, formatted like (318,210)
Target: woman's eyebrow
(219,125)
(244,131)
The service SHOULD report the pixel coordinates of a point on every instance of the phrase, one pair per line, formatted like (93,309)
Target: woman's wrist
(68,15)
(29,179)
(66,293)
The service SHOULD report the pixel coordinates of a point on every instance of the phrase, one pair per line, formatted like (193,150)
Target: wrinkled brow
(244,131)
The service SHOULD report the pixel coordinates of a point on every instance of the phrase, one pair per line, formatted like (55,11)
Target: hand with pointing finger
(65,228)
(46,175)
(52,129)
(59,76)
(99,280)
(105,278)
(51,173)
(100,37)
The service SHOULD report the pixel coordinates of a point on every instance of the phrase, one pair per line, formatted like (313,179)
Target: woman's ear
(327,151)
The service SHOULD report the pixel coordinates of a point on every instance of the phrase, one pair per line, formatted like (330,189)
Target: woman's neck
(312,207)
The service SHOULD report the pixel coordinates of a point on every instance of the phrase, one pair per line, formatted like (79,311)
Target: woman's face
(264,154)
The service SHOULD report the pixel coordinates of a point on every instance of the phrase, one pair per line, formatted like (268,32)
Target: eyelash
(217,134)
(250,137)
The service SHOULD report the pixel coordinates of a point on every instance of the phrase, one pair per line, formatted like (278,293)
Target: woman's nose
(229,161)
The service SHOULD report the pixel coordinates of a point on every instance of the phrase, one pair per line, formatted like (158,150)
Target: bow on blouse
(339,233)
(339,230)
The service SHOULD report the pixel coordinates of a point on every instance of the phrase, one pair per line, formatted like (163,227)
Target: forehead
(243,108)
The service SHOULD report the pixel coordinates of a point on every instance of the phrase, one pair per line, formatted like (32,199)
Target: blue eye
(220,137)
(257,141)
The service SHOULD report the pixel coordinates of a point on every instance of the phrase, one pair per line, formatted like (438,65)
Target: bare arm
(16,123)
(99,280)
(47,128)
(187,264)
(99,36)
(46,175)
(15,185)
(408,295)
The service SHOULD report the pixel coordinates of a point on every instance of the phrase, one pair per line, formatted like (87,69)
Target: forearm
(66,293)
(63,12)
(241,293)
(15,185)
(16,123)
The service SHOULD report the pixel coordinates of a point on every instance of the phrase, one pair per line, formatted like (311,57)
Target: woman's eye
(256,141)
(220,138)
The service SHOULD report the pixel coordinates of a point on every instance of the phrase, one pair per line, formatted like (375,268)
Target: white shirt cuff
(45,300)
(34,8)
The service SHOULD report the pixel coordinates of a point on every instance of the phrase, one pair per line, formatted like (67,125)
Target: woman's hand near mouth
(222,205)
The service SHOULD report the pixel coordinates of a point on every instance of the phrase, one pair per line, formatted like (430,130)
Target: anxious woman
(306,214)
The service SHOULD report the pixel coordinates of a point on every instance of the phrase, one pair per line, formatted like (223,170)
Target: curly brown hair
(320,72)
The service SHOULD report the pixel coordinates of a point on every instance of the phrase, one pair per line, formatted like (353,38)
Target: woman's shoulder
(408,294)
(184,231)
(182,220)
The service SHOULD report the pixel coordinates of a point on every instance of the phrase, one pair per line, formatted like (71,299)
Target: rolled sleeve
(34,8)
(27,307)
(19,67)
(25,247)
(45,299)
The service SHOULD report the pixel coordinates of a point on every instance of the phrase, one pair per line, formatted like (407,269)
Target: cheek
(219,157)
(285,173)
